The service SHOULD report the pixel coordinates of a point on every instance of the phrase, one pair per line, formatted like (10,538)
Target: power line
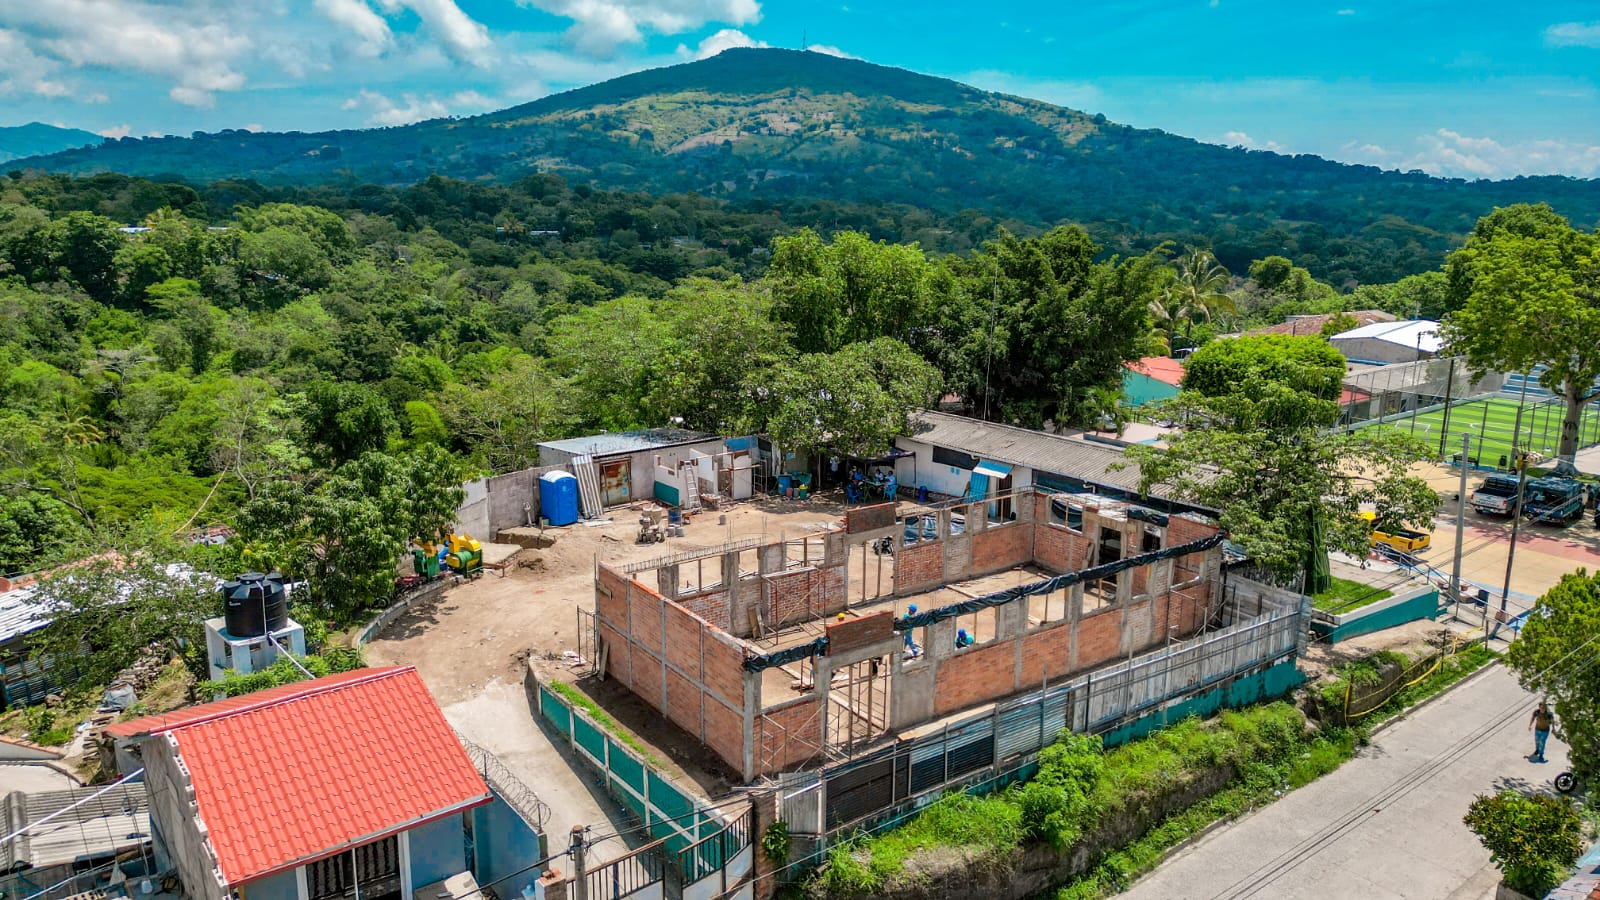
(1405,784)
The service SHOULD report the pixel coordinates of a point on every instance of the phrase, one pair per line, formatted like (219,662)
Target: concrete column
(730,573)
(748,719)
(1074,616)
(667,581)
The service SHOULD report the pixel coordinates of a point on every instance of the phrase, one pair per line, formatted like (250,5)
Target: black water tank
(254,604)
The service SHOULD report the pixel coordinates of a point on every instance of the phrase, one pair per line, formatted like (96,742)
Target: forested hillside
(37,138)
(773,126)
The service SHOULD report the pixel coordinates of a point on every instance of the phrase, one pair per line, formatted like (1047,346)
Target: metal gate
(372,870)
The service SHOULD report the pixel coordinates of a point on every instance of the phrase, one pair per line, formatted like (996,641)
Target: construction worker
(963,639)
(1540,723)
(912,650)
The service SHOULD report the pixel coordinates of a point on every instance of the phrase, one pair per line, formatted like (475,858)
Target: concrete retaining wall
(1407,606)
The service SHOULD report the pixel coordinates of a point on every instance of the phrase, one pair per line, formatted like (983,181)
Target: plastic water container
(674,516)
(783,484)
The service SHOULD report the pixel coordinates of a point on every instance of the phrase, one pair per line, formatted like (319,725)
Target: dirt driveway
(481,630)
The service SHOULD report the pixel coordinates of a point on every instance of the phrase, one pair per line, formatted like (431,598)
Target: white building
(1386,343)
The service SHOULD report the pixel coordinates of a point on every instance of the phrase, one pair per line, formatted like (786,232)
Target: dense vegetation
(1079,788)
(775,127)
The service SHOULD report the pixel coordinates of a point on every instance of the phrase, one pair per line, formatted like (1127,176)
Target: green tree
(1198,289)
(110,608)
(1257,445)
(501,419)
(35,531)
(1551,656)
(1529,284)
(1534,839)
(855,401)
(341,420)
(848,290)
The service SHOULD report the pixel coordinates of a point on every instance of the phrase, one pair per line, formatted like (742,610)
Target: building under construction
(785,652)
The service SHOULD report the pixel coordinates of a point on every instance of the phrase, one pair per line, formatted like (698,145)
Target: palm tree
(1196,292)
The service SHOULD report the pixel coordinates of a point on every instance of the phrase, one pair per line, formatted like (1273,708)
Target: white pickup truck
(1496,496)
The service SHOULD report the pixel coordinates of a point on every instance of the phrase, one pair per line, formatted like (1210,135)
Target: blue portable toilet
(558,498)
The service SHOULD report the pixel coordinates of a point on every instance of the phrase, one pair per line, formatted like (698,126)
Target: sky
(1467,88)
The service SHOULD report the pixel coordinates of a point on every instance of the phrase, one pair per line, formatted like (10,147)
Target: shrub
(1056,804)
(1533,839)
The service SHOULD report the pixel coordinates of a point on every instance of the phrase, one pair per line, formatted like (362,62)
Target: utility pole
(1444,427)
(580,879)
(1516,526)
(1461,522)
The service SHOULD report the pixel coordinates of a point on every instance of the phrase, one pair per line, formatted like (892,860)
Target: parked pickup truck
(1556,501)
(1403,539)
(1496,496)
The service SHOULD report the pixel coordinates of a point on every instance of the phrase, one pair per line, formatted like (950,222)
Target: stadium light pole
(1461,522)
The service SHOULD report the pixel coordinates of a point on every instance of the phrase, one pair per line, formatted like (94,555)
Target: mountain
(36,138)
(767,124)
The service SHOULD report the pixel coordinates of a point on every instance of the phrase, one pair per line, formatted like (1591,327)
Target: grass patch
(1080,786)
(1347,678)
(1344,595)
(1451,671)
(581,700)
(988,826)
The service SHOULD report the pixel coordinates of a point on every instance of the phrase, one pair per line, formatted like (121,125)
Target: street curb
(1412,710)
(1201,835)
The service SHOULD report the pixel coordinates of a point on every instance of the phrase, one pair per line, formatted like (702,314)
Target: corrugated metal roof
(117,819)
(628,441)
(1416,334)
(21,611)
(287,778)
(1163,369)
(1065,455)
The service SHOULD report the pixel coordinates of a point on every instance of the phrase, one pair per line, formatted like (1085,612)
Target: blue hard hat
(961,632)
(911,609)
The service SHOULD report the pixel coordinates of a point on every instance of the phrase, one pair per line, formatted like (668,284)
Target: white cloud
(1455,155)
(1346,12)
(462,36)
(186,41)
(383,110)
(1241,139)
(115,131)
(726,39)
(370,30)
(254,128)
(830,50)
(600,27)
(1573,34)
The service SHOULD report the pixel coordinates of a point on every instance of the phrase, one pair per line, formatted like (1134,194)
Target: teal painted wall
(282,886)
(1424,606)
(438,850)
(1274,682)
(504,844)
(1139,389)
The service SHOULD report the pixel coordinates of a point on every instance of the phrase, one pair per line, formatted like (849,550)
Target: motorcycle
(1565,783)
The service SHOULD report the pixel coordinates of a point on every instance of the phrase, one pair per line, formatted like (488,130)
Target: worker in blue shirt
(963,639)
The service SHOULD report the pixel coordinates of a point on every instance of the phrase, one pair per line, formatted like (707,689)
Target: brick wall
(1001,547)
(723,666)
(803,594)
(1045,652)
(919,567)
(724,729)
(975,675)
(1058,549)
(683,632)
(712,606)
(795,737)
(1099,637)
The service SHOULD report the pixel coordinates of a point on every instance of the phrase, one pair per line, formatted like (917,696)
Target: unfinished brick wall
(919,567)
(713,606)
(1058,549)
(975,675)
(1045,652)
(789,735)
(674,660)
(800,595)
(1099,638)
(1001,547)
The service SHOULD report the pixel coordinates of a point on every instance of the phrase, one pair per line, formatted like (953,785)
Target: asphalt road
(1386,824)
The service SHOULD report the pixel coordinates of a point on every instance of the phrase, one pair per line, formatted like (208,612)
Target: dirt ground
(482,630)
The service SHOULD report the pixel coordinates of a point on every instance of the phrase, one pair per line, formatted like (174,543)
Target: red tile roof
(295,773)
(1161,368)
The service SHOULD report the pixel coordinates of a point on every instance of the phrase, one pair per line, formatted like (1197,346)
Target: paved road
(1387,824)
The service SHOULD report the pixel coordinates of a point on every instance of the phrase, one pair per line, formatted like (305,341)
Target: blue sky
(1465,88)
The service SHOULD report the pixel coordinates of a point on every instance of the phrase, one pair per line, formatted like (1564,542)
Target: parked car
(1403,539)
(1496,496)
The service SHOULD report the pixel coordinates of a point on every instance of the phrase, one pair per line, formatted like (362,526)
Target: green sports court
(1490,421)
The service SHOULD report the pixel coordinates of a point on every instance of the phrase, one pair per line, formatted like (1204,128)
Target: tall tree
(1256,445)
(1554,655)
(1529,287)
(854,401)
(848,290)
(1198,289)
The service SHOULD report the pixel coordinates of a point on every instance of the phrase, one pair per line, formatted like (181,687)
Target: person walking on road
(1540,723)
